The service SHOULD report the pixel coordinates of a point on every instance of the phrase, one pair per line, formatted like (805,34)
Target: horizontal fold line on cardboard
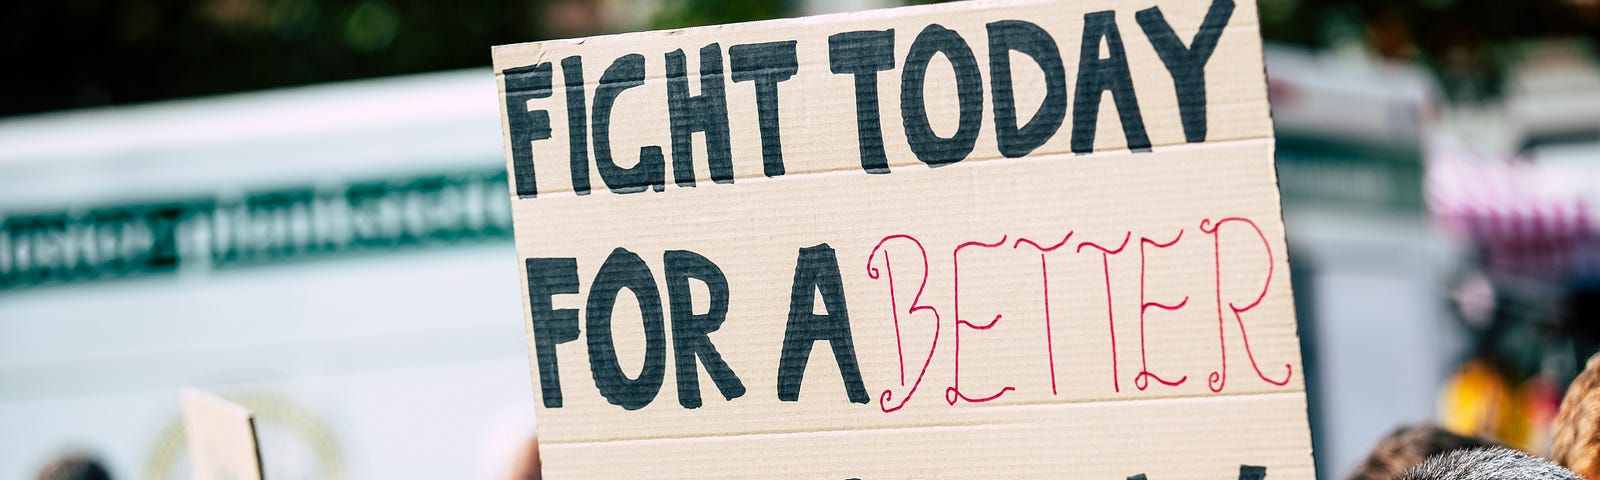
(753,176)
(1014,420)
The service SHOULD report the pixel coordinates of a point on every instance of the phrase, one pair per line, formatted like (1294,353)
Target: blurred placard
(221,437)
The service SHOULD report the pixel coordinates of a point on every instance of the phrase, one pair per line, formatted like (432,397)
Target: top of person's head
(1490,463)
(1575,433)
(74,467)
(1407,447)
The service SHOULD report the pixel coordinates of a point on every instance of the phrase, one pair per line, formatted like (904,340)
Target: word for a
(817,274)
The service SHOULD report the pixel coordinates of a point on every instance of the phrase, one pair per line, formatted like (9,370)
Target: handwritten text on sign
(981,218)
(817,278)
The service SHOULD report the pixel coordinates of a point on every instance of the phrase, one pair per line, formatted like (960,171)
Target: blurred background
(301,205)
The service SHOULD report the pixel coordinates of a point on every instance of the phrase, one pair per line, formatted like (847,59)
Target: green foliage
(79,53)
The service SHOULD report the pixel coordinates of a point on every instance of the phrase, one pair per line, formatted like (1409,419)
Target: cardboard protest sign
(221,437)
(991,239)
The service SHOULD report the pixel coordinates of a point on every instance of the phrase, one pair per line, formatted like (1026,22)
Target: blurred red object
(1528,218)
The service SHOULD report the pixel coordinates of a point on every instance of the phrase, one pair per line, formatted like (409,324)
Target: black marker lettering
(864,54)
(929,147)
(1095,77)
(817,269)
(577,123)
(548,277)
(625,73)
(691,332)
(523,84)
(1027,39)
(766,64)
(1251,472)
(706,112)
(624,269)
(1187,64)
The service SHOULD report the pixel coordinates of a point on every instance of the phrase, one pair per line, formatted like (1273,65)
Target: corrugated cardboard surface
(1073,405)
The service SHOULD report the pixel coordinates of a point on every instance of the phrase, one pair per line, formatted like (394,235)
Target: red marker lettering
(1111,317)
(1044,270)
(916,307)
(1142,381)
(1219,378)
(953,393)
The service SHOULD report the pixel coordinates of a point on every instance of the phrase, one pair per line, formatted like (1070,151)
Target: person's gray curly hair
(1493,463)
